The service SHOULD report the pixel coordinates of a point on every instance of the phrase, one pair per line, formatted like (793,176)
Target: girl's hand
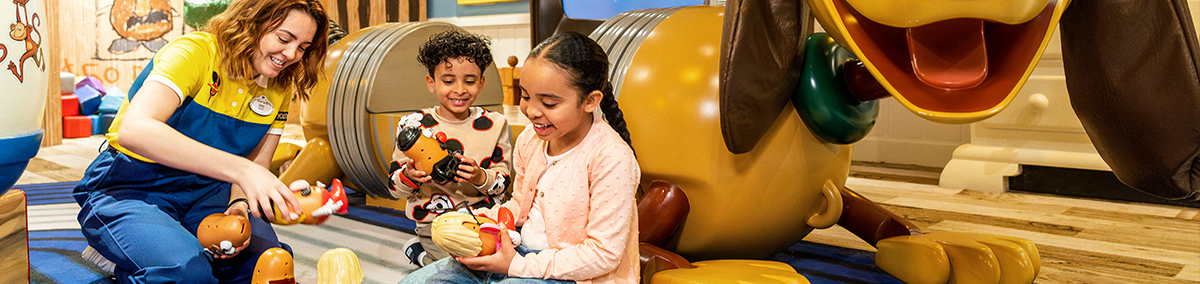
(469,171)
(495,263)
(411,172)
(262,188)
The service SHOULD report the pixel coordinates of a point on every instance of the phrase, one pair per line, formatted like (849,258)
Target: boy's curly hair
(454,43)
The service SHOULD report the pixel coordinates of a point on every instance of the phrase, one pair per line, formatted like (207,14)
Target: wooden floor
(1080,240)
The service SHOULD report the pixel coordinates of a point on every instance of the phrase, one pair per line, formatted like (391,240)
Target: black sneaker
(415,252)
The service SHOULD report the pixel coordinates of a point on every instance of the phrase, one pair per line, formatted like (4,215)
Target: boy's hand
(411,172)
(469,171)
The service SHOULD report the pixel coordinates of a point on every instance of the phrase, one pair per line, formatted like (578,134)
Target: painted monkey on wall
(23,31)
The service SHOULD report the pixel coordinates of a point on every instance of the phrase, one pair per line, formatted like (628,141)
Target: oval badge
(262,106)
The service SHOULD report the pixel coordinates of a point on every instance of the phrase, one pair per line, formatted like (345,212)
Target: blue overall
(142,215)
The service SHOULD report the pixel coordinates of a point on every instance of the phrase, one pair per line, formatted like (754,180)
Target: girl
(198,130)
(575,179)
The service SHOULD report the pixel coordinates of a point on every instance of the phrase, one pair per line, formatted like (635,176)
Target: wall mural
(140,23)
(113,39)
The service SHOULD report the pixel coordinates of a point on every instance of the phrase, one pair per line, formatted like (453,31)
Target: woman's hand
(495,263)
(262,188)
(237,208)
(469,171)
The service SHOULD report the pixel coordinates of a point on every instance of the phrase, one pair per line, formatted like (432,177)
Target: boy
(455,60)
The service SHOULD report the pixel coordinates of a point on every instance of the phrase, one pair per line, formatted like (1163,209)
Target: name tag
(262,106)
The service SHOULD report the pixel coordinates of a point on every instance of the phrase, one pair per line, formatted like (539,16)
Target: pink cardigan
(590,211)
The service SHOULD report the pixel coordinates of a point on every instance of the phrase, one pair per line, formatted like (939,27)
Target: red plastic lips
(1010,52)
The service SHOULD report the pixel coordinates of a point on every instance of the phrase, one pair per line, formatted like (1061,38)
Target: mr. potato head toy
(429,153)
(464,234)
(222,234)
(316,202)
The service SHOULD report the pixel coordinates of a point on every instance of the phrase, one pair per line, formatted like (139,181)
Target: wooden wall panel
(52,118)
(353,15)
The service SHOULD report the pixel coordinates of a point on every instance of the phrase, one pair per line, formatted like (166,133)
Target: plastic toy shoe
(275,266)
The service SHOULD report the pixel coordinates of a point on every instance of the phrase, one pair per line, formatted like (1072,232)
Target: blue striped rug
(48,193)
(54,254)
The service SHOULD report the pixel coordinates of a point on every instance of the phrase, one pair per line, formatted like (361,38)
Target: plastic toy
(797,180)
(275,266)
(464,234)
(317,203)
(953,71)
(339,266)
(222,234)
(831,109)
(1132,112)
(429,153)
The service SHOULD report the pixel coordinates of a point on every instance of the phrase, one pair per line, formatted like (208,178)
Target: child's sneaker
(415,252)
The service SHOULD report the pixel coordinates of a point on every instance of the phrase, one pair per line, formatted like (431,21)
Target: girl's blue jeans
(448,270)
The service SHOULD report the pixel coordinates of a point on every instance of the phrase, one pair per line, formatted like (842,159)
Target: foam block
(106,122)
(66,82)
(111,103)
(91,82)
(89,99)
(70,105)
(114,91)
(77,127)
(95,123)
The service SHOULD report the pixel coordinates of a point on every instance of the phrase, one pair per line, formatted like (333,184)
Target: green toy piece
(830,110)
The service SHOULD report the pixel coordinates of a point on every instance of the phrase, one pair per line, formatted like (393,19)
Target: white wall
(509,33)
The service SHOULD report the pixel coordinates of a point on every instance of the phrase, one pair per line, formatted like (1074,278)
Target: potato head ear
(832,211)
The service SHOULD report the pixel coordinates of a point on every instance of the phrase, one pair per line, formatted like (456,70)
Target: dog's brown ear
(760,66)
(1132,73)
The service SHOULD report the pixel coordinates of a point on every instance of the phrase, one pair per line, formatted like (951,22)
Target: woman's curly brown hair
(454,43)
(244,22)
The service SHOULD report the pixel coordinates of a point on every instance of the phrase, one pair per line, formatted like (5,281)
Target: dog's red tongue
(950,54)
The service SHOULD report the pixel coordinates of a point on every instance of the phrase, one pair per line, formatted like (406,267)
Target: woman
(198,130)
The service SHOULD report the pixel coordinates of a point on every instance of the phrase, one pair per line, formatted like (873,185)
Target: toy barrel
(749,205)
(621,35)
(24,85)
(377,81)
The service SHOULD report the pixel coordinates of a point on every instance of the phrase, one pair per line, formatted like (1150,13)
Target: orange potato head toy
(463,234)
(317,202)
(222,234)
(274,266)
(428,152)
